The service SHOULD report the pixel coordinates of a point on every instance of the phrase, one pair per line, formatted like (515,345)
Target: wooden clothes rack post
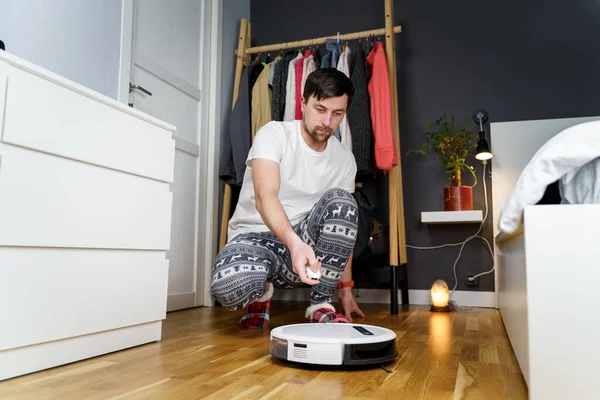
(398,257)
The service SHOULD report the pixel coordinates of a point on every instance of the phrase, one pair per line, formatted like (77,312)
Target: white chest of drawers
(85,220)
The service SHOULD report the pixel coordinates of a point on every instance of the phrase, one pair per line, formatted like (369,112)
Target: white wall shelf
(451,217)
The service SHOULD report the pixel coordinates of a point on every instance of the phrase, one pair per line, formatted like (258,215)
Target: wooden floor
(204,355)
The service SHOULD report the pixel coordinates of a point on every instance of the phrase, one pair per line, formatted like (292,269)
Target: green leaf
(452,142)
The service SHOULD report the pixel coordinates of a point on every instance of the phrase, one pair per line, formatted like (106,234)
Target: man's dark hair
(328,82)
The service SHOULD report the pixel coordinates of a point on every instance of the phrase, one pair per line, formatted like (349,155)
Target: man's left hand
(349,306)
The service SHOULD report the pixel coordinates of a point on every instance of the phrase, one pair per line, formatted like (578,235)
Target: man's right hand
(302,256)
(266,189)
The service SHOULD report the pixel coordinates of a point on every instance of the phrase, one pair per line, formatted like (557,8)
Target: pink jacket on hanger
(381,109)
(299,69)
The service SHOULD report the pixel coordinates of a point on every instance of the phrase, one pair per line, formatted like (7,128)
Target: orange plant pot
(458,198)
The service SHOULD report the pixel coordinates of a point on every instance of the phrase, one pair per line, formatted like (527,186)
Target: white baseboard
(462,298)
(181,301)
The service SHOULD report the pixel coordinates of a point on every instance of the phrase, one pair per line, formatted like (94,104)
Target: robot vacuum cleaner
(333,344)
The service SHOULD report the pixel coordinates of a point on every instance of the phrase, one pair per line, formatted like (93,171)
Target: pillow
(561,156)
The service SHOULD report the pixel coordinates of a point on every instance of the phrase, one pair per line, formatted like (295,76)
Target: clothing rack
(317,41)
(397,235)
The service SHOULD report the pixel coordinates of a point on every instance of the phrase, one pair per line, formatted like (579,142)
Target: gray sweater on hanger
(359,117)
(237,140)
(279,86)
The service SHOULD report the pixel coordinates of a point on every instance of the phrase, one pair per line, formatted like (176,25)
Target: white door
(166,72)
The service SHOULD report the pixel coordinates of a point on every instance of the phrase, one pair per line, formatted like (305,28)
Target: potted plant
(453,143)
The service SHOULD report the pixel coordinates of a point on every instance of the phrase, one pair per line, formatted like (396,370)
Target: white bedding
(571,157)
(581,186)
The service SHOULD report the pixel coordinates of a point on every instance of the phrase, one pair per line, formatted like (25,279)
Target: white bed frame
(547,273)
(85,221)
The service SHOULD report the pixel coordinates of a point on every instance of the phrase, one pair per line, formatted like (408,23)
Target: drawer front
(49,201)
(50,294)
(46,116)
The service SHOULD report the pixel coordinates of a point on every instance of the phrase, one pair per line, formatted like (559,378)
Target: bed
(546,217)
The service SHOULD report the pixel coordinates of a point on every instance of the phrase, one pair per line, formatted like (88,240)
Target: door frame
(207,196)
(125,50)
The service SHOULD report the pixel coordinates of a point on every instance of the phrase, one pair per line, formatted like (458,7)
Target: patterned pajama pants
(247,262)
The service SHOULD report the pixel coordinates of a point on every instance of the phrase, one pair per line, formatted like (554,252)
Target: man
(295,211)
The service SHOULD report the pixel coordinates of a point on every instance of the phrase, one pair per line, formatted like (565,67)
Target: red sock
(256,315)
(325,313)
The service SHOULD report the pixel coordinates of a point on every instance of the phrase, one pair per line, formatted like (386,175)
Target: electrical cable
(463,243)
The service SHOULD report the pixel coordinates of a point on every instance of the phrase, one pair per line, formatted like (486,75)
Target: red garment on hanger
(381,109)
(299,70)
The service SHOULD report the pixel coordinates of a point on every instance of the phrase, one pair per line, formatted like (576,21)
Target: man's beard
(319,134)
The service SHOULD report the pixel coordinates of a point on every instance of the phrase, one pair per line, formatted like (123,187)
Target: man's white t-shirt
(305,174)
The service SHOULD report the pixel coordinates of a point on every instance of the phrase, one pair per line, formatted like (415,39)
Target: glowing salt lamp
(439,296)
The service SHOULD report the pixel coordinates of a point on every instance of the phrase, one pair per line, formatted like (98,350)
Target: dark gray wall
(518,60)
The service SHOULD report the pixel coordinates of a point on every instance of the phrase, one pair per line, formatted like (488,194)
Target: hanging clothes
(344,128)
(237,144)
(326,61)
(254,73)
(359,118)
(272,70)
(261,99)
(317,57)
(290,95)
(279,86)
(309,67)
(335,48)
(300,72)
(381,109)
(368,48)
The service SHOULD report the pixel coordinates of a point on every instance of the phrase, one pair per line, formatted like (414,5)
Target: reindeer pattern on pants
(243,266)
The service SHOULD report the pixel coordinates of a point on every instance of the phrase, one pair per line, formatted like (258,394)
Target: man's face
(322,117)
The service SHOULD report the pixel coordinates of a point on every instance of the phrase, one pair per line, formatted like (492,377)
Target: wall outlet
(472,282)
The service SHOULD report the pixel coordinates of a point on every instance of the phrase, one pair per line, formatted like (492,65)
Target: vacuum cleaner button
(363,330)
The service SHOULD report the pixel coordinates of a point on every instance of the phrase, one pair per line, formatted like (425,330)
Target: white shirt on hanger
(309,66)
(289,113)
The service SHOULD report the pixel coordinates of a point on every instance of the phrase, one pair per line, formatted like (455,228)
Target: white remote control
(311,274)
